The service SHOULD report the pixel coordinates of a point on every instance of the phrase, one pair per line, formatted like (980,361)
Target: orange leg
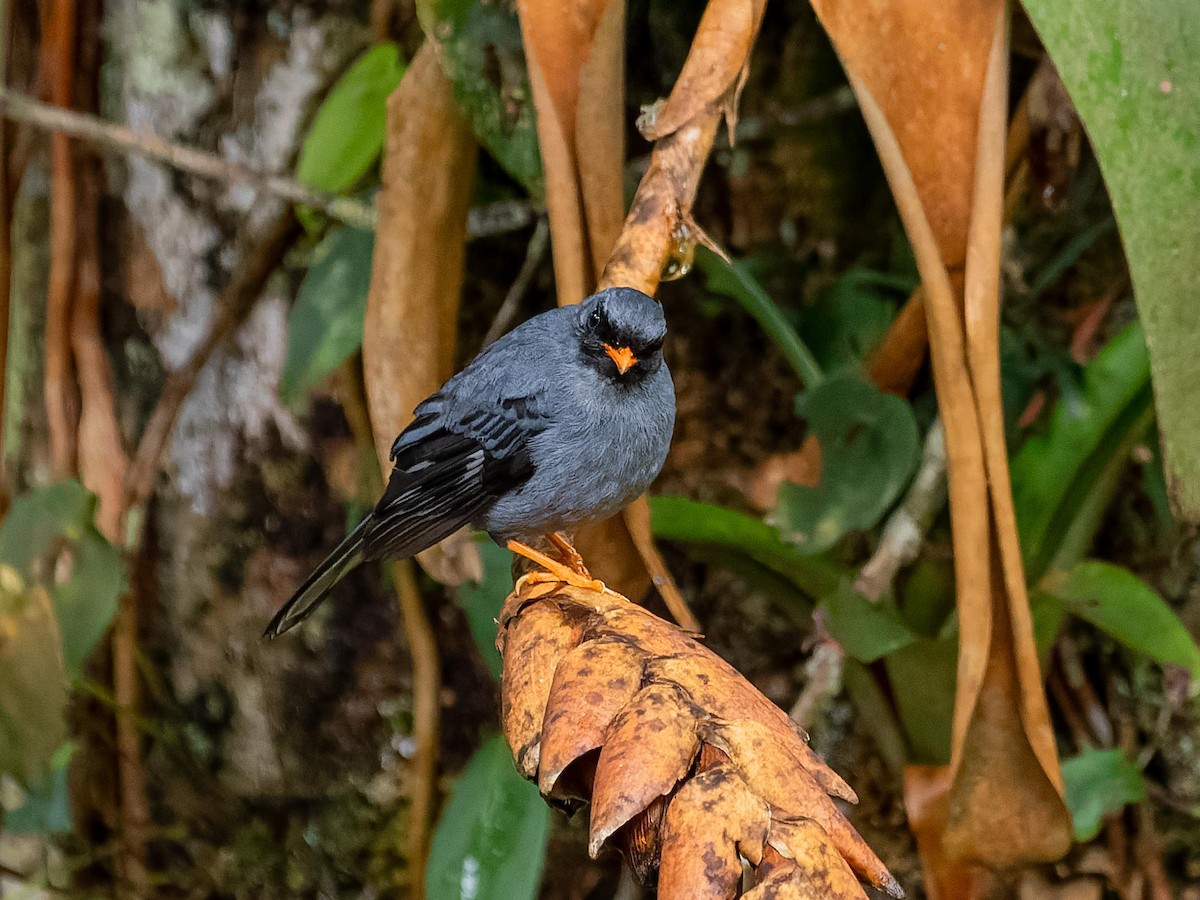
(554,570)
(568,553)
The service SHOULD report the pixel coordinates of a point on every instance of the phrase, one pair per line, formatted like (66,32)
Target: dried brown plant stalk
(688,768)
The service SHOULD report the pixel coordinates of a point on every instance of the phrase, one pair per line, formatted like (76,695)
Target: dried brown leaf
(772,769)
(647,751)
(924,63)
(708,821)
(815,871)
(532,649)
(671,720)
(746,716)
(926,804)
(591,685)
(936,110)
(576,60)
(416,278)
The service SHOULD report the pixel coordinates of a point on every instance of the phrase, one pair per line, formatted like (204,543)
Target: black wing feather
(448,471)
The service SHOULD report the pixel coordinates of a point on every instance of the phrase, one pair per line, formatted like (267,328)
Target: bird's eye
(595,318)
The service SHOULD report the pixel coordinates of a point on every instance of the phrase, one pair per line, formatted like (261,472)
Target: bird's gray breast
(605,445)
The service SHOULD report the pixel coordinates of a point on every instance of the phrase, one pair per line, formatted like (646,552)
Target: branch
(234,304)
(901,539)
(484,221)
(186,159)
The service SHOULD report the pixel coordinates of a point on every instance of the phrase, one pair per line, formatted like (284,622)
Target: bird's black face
(621,334)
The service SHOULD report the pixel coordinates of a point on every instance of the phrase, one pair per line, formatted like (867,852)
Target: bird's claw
(553,570)
(561,575)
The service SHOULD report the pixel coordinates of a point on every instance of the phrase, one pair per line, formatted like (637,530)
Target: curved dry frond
(689,769)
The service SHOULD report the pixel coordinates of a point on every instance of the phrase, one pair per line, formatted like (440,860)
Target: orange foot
(554,570)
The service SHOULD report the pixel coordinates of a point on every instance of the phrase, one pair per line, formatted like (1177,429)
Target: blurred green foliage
(491,839)
(1133,73)
(60,583)
(1099,783)
(484,58)
(325,326)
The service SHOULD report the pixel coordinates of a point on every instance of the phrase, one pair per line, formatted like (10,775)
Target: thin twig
(534,255)
(427,679)
(823,673)
(484,221)
(905,530)
(187,159)
(234,304)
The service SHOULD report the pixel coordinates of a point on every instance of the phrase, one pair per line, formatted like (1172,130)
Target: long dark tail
(338,564)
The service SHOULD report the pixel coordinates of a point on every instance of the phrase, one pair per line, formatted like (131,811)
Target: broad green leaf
(1097,784)
(347,132)
(680,519)
(39,518)
(484,58)
(922,676)
(1122,605)
(491,841)
(849,319)
(1072,467)
(481,602)
(86,602)
(733,280)
(33,684)
(45,805)
(49,537)
(326,325)
(865,630)
(869,449)
(1133,72)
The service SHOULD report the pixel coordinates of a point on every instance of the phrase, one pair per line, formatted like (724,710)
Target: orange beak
(622,356)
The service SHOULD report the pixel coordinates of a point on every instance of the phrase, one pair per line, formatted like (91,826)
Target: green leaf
(39,518)
(347,132)
(734,280)
(866,630)
(1074,465)
(86,602)
(869,449)
(49,537)
(45,805)
(484,58)
(849,319)
(491,841)
(1122,605)
(33,684)
(326,325)
(481,602)
(1097,784)
(1133,72)
(680,519)
(922,676)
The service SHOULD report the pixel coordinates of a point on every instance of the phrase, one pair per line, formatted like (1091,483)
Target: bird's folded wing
(449,469)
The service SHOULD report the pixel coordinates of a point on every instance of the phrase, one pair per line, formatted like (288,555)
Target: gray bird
(561,422)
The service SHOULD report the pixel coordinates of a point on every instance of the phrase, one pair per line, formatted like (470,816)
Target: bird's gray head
(621,332)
